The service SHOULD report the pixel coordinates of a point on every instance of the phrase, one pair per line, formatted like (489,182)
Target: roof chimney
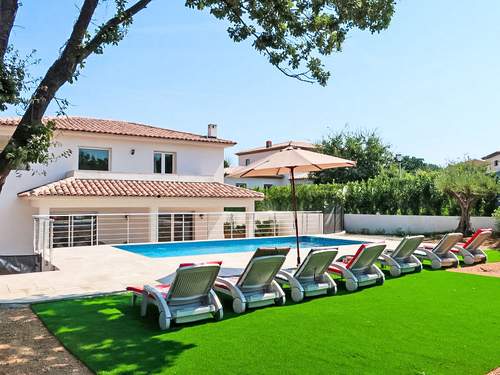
(269,144)
(212,130)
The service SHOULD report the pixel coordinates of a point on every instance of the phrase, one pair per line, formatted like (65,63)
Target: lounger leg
(144,304)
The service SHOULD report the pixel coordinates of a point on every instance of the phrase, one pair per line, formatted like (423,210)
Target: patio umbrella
(293,160)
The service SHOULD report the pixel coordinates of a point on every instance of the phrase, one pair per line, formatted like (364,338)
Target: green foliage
(365,147)
(413,164)
(496,215)
(294,34)
(467,180)
(36,149)
(412,194)
(14,77)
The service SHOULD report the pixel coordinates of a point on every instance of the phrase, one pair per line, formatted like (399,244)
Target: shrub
(386,194)
(496,215)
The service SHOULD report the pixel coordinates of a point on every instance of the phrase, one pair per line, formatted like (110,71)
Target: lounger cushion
(163,288)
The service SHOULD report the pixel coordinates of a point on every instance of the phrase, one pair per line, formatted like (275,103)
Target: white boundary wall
(394,224)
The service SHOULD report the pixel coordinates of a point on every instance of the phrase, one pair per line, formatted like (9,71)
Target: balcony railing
(113,229)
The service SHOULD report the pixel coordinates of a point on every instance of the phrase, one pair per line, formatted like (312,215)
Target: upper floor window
(164,162)
(495,163)
(247,161)
(93,159)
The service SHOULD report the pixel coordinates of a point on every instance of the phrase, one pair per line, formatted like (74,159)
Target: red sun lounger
(360,269)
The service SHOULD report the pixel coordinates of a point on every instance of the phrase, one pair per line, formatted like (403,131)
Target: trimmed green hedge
(412,194)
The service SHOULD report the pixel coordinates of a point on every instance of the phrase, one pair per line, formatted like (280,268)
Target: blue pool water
(175,249)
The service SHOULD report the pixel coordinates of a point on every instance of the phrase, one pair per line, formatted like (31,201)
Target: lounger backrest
(365,256)
(477,239)
(447,243)
(407,246)
(316,263)
(267,251)
(193,281)
(261,270)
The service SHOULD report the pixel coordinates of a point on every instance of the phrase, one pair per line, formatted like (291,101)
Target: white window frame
(163,153)
(108,149)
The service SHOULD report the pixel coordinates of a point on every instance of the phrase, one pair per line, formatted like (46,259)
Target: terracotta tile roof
(279,146)
(78,187)
(493,154)
(115,127)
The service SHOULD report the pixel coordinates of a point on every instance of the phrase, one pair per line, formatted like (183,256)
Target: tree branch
(100,36)
(8,11)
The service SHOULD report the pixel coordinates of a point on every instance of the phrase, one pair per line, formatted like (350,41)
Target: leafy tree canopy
(365,147)
(467,182)
(293,35)
(412,164)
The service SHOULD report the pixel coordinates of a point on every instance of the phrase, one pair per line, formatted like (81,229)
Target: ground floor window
(78,230)
(175,227)
(241,185)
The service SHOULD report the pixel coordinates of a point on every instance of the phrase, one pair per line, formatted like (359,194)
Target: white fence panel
(397,224)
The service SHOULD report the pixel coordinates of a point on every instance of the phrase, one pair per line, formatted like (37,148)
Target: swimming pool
(175,249)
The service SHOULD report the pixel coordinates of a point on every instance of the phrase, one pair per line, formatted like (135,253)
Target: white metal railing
(43,234)
(90,229)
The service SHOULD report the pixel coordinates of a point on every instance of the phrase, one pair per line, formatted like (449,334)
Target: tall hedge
(410,194)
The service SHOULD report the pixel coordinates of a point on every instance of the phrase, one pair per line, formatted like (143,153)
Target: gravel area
(488,269)
(26,347)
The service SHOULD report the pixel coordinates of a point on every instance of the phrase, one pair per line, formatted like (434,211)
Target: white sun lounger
(311,277)
(360,269)
(255,286)
(440,255)
(401,259)
(188,298)
(470,249)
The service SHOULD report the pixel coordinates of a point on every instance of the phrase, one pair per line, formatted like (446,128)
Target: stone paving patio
(84,271)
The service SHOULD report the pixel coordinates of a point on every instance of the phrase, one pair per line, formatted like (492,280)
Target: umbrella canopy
(292,160)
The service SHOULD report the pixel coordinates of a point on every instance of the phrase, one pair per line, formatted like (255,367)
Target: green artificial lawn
(435,322)
(493,255)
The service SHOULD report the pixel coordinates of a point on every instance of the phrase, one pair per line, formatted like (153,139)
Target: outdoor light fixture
(132,151)
(399,159)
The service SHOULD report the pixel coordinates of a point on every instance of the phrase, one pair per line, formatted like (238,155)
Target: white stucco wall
(16,230)
(254,182)
(393,224)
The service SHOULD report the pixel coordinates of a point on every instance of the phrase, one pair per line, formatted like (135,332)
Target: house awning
(80,187)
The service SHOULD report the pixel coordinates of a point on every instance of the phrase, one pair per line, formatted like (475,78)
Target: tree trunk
(62,70)
(464,225)
(8,10)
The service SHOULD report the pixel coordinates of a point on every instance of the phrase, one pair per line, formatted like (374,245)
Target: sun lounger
(401,259)
(188,298)
(360,269)
(470,249)
(440,254)
(311,277)
(255,286)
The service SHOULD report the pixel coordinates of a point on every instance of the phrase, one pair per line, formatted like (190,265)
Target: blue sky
(430,84)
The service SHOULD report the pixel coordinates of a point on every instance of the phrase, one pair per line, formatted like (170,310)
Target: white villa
(119,167)
(493,161)
(247,157)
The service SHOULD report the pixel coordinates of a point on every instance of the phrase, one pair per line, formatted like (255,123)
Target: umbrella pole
(294,205)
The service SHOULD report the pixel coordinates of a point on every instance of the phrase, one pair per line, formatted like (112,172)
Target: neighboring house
(119,167)
(493,160)
(247,157)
